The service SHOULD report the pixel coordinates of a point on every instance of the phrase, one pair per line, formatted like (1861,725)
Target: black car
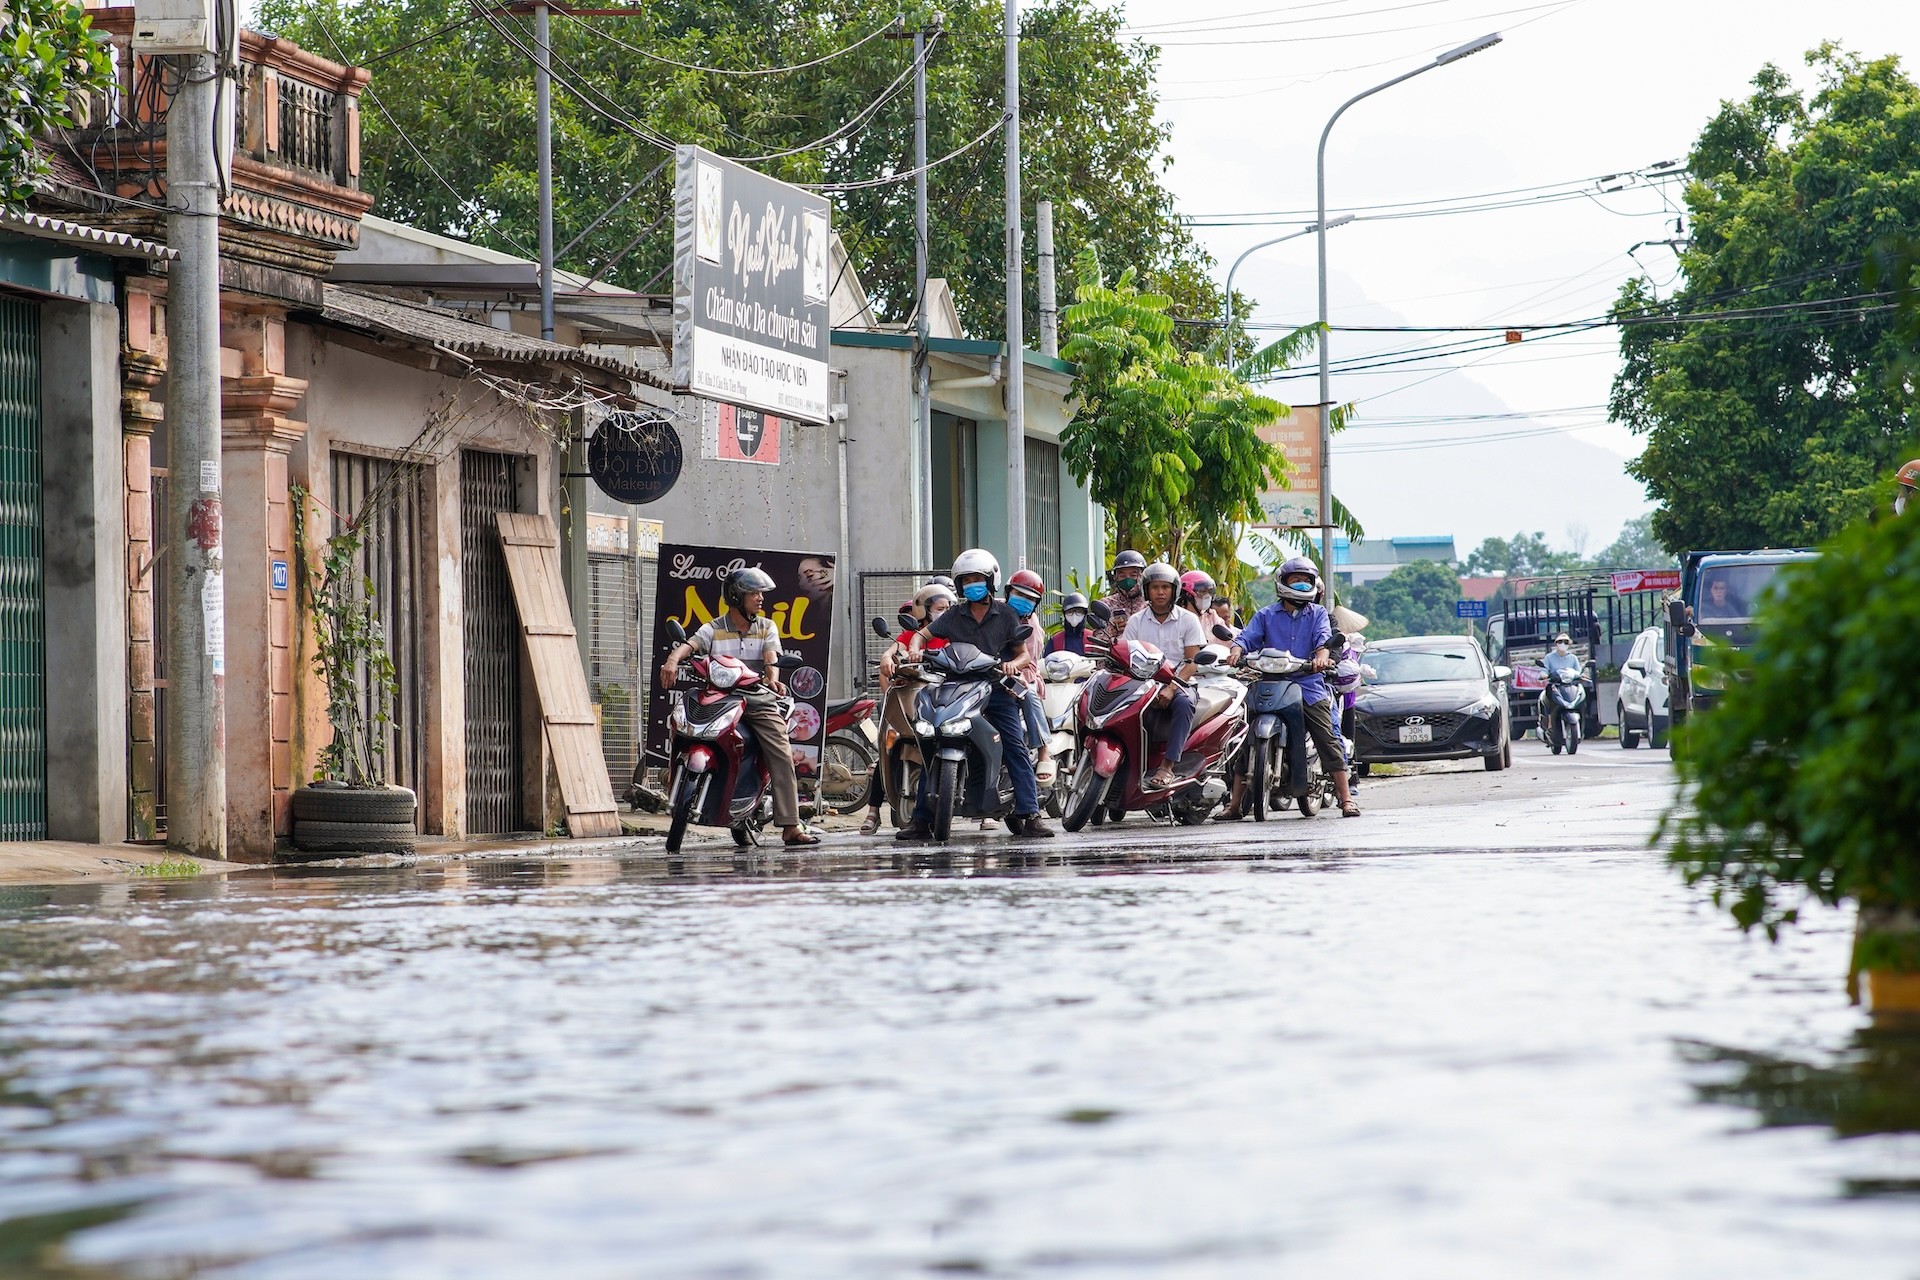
(1431,698)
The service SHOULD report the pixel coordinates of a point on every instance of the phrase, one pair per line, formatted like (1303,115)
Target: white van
(1643,691)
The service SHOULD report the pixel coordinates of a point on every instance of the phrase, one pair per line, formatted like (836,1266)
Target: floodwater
(1469,1065)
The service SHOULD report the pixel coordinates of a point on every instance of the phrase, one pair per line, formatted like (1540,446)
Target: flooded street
(1515,1060)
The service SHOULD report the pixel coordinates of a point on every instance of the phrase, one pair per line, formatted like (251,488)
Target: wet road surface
(1481,1032)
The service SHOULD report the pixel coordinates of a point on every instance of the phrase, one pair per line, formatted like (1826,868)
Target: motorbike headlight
(723,675)
(923,727)
(958,728)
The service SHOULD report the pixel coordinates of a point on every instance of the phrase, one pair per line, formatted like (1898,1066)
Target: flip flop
(1350,810)
(1045,773)
(805,838)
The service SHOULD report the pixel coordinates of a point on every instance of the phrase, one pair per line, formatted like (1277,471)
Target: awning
(114,244)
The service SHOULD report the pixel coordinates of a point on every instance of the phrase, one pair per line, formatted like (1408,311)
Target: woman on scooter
(929,602)
(1296,624)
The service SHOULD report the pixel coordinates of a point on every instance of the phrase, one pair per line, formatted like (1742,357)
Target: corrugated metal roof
(116,244)
(436,326)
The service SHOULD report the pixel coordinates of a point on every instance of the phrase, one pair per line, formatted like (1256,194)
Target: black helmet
(742,581)
(1074,600)
(1129,560)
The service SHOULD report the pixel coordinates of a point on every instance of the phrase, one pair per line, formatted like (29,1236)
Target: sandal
(1229,815)
(1044,773)
(1349,810)
(872,825)
(805,838)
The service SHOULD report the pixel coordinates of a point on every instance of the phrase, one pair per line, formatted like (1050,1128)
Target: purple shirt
(1300,634)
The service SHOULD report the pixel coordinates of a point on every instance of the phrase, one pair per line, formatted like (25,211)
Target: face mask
(1299,590)
(935,611)
(1563,648)
(1021,605)
(975,592)
(1126,585)
(1203,603)
(1076,619)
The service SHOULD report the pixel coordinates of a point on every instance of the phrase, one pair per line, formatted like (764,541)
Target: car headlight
(1484,707)
(956,728)
(923,727)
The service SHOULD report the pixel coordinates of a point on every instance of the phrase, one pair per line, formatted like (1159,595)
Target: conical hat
(1347,620)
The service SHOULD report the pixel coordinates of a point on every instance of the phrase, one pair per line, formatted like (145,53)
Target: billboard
(1630,580)
(687,590)
(750,288)
(1297,436)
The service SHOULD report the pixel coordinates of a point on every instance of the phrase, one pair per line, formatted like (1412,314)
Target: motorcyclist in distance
(1072,635)
(1125,599)
(1176,633)
(1296,624)
(1196,596)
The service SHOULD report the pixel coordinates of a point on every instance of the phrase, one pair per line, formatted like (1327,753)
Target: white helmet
(978,560)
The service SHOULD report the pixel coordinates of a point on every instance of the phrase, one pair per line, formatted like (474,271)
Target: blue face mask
(975,592)
(1021,605)
(1299,590)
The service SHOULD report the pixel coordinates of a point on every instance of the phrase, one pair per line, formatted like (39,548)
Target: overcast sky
(1577,90)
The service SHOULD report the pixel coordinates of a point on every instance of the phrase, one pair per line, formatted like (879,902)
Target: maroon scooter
(719,777)
(1118,754)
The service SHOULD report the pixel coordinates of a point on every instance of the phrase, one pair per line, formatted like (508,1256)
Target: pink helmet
(1196,582)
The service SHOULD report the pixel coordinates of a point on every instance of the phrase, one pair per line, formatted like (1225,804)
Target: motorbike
(719,779)
(1562,706)
(1064,674)
(957,741)
(846,758)
(1280,762)
(899,745)
(1118,754)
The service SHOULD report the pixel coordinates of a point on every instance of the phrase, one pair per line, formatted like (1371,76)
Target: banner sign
(688,590)
(729,433)
(1469,608)
(634,459)
(1298,437)
(1630,580)
(750,288)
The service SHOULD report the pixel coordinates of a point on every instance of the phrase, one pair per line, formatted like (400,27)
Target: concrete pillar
(256,439)
(84,529)
(143,367)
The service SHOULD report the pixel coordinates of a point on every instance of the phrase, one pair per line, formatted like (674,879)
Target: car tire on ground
(331,802)
(1363,768)
(1629,738)
(353,837)
(1498,760)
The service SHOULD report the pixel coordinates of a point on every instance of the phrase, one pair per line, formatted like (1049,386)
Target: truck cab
(1720,592)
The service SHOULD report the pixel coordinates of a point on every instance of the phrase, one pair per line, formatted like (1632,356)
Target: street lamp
(1340,221)
(1466,50)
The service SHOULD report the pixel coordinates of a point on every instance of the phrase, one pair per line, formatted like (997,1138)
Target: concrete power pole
(196,614)
(1049,303)
(543,129)
(1016,383)
(922,364)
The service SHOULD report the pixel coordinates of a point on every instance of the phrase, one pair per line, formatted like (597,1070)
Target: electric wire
(1362,35)
(896,25)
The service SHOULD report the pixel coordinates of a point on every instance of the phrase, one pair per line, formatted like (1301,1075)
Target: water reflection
(1320,1068)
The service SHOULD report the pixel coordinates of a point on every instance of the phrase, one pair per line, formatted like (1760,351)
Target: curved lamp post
(1340,221)
(1466,50)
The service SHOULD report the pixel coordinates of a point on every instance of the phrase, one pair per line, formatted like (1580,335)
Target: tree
(1523,555)
(1774,426)
(448,139)
(1165,439)
(1416,599)
(49,63)
(1635,548)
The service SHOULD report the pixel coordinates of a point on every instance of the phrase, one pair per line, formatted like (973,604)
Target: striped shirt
(758,645)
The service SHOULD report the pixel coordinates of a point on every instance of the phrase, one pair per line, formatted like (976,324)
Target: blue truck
(1719,591)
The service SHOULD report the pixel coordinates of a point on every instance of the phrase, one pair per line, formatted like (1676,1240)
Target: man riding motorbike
(988,625)
(1072,635)
(929,602)
(745,633)
(1176,633)
(1125,598)
(1296,624)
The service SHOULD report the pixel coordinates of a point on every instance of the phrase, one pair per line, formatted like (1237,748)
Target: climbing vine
(350,649)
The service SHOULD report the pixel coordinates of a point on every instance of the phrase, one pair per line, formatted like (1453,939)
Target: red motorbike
(850,744)
(1117,754)
(719,779)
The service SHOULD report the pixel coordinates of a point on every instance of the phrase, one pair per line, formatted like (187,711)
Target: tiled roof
(429,325)
(113,243)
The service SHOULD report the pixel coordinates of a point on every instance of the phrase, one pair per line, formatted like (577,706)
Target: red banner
(1629,580)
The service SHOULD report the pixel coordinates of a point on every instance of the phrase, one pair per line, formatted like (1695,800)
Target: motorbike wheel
(906,776)
(946,796)
(1572,734)
(1257,779)
(1084,797)
(742,835)
(851,752)
(685,787)
(1310,802)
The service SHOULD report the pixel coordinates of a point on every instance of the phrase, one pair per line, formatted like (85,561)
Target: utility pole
(1016,383)
(1049,304)
(922,363)
(543,128)
(196,616)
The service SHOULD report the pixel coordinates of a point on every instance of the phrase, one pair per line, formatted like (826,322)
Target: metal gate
(23,615)
(491,625)
(389,558)
(614,677)
(881,593)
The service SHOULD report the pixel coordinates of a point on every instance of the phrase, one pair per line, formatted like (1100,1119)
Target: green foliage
(1168,441)
(1416,599)
(1635,548)
(49,62)
(1775,430)
(1090,140)
(1806,773)
(1524,555)
(350,649)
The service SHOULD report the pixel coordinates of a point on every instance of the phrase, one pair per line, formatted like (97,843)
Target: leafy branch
(351,648)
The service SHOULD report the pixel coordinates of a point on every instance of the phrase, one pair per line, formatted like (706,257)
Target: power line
(861,184)
(1360,35)
(897,24)
(1657,172)
(1147,32)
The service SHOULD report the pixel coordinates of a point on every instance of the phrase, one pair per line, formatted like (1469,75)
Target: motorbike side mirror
(676,632)
(1221,633)
(1100,613)
(880,629)
(910,623)
(1337,642)
(1205,659)
(790,660)
(1023,635)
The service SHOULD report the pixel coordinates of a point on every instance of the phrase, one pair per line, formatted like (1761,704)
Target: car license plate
(1416,733)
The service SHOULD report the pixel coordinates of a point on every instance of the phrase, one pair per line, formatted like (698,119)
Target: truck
(1719,591)
(1520,636)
